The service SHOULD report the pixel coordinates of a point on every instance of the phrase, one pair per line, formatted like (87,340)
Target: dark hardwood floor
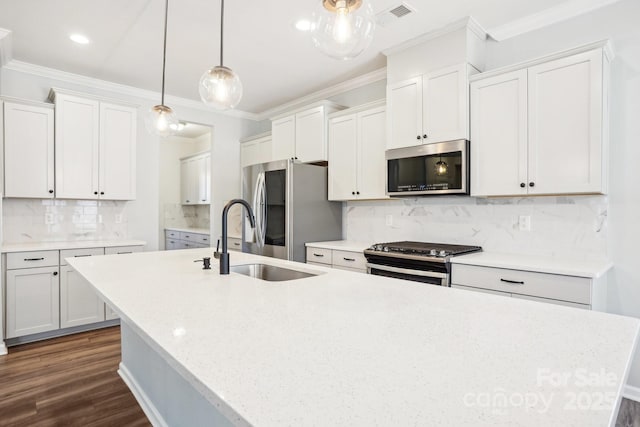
(68,381)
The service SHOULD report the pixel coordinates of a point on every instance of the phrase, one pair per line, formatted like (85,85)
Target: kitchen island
(344,348)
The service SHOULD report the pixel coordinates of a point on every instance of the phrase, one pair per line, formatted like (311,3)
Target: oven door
(430,277)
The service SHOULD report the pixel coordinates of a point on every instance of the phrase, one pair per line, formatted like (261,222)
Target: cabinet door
(201,168)
(265,150)
(33,304)
(207,179)
(28,151)
(371,163)
(565,125)
(79,303)
(404,119)
(311,141)
(189,181)
(499,135)
(171,244)
(76,147)
(249,153)
(445,105)
(343,133)
(118,127)
(284,138)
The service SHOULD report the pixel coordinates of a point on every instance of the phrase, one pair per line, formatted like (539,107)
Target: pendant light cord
(221,31)
(164,51)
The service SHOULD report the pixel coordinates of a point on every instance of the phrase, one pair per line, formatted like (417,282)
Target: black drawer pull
(123,253)
(513,282)
(349,259)
(80,256)
(236,244)
(55,273)
(34,259)
(318,255)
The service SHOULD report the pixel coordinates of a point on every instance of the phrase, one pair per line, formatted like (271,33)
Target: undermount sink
(270,273)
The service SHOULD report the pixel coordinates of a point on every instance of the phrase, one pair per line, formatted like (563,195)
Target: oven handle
(407,271)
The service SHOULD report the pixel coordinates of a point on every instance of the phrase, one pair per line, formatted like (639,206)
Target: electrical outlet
(118,218)
(388,220)
(48,219)
(524,223)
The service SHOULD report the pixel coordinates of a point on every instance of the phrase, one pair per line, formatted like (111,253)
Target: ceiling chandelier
(220,87)
(343,29)
(161,120)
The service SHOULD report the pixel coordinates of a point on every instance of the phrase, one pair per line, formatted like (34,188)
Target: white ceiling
(276,62)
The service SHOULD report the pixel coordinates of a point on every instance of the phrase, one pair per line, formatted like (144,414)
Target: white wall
(143,213)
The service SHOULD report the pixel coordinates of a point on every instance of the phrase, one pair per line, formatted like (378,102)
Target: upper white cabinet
(542,129)
(256,150)
(28,149)
(195,179)
(302,135)
(95,148)
(356,153)
(430,108)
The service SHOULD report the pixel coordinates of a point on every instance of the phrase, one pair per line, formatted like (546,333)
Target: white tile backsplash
(34,220)
(568,226)
(188,216)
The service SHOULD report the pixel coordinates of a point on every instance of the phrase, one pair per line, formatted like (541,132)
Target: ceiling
(276,62)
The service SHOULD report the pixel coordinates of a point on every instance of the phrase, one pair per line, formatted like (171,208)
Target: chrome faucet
(224,255)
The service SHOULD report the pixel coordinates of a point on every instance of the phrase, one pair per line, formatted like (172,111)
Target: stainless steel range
(416,261)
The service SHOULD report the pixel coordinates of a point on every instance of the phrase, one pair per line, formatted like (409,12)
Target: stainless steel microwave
(429,169)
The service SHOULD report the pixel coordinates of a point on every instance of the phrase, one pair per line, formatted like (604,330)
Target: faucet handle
(216,254)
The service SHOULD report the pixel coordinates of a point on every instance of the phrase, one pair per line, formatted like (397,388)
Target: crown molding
(64,76)
(553,15)
(468,22)
(347,85)
(6,46)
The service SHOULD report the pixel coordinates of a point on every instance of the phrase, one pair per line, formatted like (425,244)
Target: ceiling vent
(392,14)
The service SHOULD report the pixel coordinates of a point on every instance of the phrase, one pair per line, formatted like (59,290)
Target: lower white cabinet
(79,303)
(572,291)
(32,303)
(185,240)
(337,258)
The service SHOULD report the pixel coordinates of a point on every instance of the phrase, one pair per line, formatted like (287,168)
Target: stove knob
(433,252)
(443,253)
(385,249)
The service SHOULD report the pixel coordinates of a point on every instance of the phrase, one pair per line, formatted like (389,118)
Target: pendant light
(161,120)
(441,167)
(343,29)
(220,87)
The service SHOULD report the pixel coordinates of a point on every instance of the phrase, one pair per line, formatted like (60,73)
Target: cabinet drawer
(234,244)
(355,270)
(79,253)
(319,255)
(171,234)
(194,237)
(543,285)
(202,238)
(17,260)
(349,259)
(121,250)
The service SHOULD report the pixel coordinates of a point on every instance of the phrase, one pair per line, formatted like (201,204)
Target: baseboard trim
(631,393)
(143,400)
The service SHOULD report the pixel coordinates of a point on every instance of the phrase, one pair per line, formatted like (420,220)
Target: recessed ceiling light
(303,25)
(79,38)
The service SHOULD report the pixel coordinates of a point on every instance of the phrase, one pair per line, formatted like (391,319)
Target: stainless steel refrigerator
(290,203)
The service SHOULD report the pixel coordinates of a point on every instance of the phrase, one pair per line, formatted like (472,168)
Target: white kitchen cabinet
(109,313)
(185,240)
(95,146)
(32,301)
(347,260)
(429,108)
(302,134)
(79,303)
(28,150)
(195,179)
(541,129)
(256,150)
(356,153)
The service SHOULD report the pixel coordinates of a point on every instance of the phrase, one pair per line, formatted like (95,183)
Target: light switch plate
(524,223)
(388,220)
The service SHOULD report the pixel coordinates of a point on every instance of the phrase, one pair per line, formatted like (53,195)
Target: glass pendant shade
(221,88)
(162,121)
(441,168)
(342,29)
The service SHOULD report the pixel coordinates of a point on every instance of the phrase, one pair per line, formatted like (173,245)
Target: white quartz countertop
(189,230)
(80,244)
(341,245)
(345,349)
(541,264)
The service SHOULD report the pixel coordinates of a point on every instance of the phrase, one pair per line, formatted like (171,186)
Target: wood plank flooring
(68,381)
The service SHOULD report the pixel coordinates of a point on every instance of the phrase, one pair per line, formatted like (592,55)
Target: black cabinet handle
(102,193)
(353,193)
(34,259)
(50,191)
(80,256)
(532,184)
(419,137)
(349,259)
(513,282)
(522,185)
(318,255)
(95,192)
(236,244)
(204,239)
(55,273)
(424,136)
(124,253)
(357,192)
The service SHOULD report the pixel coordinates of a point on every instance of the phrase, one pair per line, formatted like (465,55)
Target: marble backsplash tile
(35,220)
(574,226)
(190,216)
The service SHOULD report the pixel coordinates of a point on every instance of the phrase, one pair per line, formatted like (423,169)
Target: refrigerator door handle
(259,209)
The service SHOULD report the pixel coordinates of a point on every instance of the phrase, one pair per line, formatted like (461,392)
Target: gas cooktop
(420,249)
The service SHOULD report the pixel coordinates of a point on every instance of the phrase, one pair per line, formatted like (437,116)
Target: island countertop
(346,348)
